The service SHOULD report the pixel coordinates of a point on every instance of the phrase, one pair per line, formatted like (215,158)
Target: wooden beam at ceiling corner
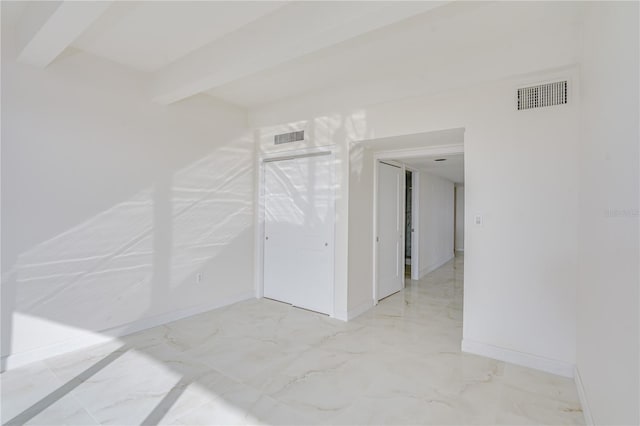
(48,28)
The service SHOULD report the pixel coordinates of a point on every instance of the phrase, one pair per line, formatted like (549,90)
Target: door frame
(415,221)
(259,220)
(402,190)
(398,155)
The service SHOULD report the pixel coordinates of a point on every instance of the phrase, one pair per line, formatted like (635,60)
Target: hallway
(265,362)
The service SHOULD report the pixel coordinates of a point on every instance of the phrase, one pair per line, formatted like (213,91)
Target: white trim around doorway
(398,155)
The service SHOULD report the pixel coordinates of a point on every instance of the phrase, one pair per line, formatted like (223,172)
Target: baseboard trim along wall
(341,315)
(360,309)
(582,396)
(355,312)
(435,266)
(536,362)
(97,337)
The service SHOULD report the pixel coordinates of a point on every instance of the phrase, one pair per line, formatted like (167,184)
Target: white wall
(111,204)
(521,264)
(608,355)
(459,242)
(435,230)
(355,111)
(361,188)
(522,176)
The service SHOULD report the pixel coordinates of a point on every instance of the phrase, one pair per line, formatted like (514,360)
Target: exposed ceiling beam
(50,27)
(294,30)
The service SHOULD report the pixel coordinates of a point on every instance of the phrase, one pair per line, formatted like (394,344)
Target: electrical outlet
(199,277)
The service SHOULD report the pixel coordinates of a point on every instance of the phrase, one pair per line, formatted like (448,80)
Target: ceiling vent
(542,95)
(289,137)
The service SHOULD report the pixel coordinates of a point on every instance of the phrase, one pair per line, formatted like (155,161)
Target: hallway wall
(361,190)
(459,219)
(436,222)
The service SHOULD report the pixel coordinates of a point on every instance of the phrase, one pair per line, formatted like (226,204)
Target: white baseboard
(582,396)
(435,266)
(460,250)
(13,361)
(341,315)
(360,309)
(355,312)
(553,366)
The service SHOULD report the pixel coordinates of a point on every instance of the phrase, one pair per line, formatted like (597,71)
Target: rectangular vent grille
(542,95)
(289,137)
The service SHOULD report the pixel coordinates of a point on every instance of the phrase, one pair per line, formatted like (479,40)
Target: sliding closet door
(299,229)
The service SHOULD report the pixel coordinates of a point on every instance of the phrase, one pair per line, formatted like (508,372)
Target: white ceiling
(424,49)
(452,168)
(253,53)
(149,35)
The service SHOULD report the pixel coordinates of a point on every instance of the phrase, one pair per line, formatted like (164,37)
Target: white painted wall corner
(354,312)
(435,266)
(586,410)
(360,309)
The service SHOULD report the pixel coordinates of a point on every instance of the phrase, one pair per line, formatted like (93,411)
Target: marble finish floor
(264,362)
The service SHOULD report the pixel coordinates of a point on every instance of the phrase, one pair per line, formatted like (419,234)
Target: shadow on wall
(137,258)
(132,260)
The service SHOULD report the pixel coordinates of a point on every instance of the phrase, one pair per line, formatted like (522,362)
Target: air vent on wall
(542,95)
(289,137)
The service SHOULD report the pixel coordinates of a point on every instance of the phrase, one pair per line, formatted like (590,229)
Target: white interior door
(390,258)
(299,230)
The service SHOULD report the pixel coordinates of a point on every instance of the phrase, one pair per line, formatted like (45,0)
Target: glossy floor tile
(264,362)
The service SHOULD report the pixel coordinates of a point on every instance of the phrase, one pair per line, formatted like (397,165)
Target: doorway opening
(408,222)
(390,241)
(458,231)
(415,207)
